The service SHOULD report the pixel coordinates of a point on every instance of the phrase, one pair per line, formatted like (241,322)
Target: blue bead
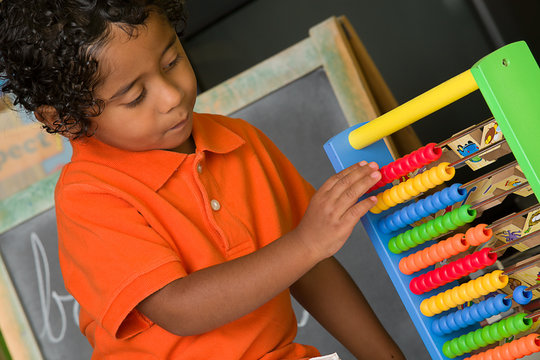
(451,319)
(458,194)
(502,304)
(444,325)
(391,223)
(383,226)
(459,319)
(475,315)
(404,216)
(435,328)
(521,295)
(445,196)
(483,309)
(490,307)
(435,202)
(466,316)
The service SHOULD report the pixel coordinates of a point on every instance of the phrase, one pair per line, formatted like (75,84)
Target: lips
(179,124)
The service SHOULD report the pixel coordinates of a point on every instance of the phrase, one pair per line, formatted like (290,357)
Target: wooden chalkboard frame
(332,45)
(335,46)
(15,210)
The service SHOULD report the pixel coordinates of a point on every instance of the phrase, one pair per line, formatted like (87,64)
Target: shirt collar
(155,167)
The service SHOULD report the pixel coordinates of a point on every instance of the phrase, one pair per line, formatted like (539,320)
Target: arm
(331,296)
(195,303)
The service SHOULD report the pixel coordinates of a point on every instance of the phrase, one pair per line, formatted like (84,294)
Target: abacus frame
(509,81)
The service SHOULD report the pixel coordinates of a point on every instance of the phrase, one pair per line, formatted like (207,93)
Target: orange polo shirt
(129,223)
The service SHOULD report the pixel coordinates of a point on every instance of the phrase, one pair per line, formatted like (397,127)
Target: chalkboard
(300,113)
(38,317)
(30,255)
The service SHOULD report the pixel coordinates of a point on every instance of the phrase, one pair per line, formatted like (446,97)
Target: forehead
(127,53)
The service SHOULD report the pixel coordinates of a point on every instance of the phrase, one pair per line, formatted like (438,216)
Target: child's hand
(334,209)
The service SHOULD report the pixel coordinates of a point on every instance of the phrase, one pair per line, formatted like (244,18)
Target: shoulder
(237,125)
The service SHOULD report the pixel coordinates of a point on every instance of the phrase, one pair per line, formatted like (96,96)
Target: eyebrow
(126,88)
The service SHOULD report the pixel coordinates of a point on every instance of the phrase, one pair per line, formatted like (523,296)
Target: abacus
(416,228)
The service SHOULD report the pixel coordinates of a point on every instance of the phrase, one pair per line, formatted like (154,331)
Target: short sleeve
(111,258)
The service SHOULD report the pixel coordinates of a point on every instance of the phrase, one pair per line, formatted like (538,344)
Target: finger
(346,182)
(343,173)
(355,212)
(356,190)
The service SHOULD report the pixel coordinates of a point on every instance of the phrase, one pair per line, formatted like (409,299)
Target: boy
(180,234)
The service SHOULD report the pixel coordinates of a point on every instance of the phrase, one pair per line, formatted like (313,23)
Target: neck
(188,147)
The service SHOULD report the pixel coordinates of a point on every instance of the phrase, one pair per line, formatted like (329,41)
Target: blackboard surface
(30,254)
(300,117)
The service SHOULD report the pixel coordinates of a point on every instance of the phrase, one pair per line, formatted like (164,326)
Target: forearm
(331,296)
(196,303)
(214,296)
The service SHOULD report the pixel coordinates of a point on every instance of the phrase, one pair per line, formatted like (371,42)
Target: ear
(48,116)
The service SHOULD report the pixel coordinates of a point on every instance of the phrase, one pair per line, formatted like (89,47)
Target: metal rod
(517,241)
(534,314)
(465,132)
(532,288)
(490,174)
(478,153)
(512,216)
(515,269)
(503,194)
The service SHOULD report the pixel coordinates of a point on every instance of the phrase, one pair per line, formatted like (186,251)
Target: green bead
(454,346)
(522,323)
(415,235)
(478,338)
(408,240)
(469,338)
(486,335)
(494,332)
(448,222)
(431,229)
(511,325)
(400,244)
(503,328)
(438,225)
(423,234)
(455,217)
(392,246)
(466,214)
(446,350)
(471,214)
(462,345)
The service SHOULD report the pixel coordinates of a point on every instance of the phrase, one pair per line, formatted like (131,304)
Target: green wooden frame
(509,80)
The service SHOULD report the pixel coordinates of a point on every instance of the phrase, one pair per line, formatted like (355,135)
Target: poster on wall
(27,152)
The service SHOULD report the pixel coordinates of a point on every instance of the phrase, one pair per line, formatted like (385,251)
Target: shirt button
(215,205)
(199,168)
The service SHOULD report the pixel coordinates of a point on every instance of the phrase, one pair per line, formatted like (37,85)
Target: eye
(138,100)
(173,63)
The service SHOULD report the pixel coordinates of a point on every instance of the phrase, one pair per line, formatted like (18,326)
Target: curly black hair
(48,52)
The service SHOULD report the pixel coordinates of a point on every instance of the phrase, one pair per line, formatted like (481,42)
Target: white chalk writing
(46,295)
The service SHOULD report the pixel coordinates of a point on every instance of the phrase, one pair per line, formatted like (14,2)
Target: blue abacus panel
(342,155)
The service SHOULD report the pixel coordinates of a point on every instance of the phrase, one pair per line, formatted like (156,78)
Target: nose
(170,95)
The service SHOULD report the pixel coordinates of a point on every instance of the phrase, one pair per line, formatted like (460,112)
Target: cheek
(123,123)
(188,80)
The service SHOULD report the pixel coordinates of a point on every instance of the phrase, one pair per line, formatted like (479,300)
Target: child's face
(149,90)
